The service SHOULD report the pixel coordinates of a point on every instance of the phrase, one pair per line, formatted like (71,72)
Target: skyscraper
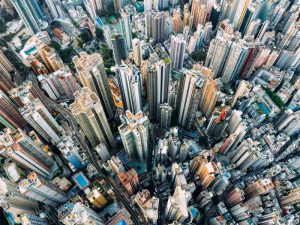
(186,15)
(40,189)
(6,84)
(13,202)
(235,59)
(27,93)
(9,113)
(136,51)
(21,148)
(177,54)
(158,86)
(125,24)
(204,170)
(158,27)
(52,4)
(134,134)
(209,95)
(291,198)
(5,66)
(177,21)
(239,14)
(215,15)
(217,124)
(130,181)
(259,187)
(199,12)
(88,111)
(148,24)
(72,151)
(78,213)
(234,121)
(176,208)
(291,39)
(93,6)
(59,84)
(217,53)
(130,86)
(253,27)
(91,73)
(243,89)
(246,154)
(31,219)
(107,36)
(165,115)
(49,57)
(147,5)
(188,97)
(37,115)
(120,49)
(31,14)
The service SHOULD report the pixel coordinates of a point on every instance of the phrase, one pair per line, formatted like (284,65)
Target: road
(81,140)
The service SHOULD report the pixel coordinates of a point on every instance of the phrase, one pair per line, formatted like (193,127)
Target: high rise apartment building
(60,84)
(131,87)
(78,213)
(49,57)
(158,86)
(165,115)
(178,45)
(13,202)
(9,113)
(188,97)
(38,188)
(91,73)
(5,66)
(92,7)
(130,181)
(18,146)
(217,53)
(210,93)
(27,93)
(125,24)
(119,47)
(31,14)
(55,8)
(158,27)
(176,208)
(89,113)
(37,115)
(203,170)
(134,133)
(199,12)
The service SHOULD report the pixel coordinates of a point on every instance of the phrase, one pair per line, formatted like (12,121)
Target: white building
(177,54)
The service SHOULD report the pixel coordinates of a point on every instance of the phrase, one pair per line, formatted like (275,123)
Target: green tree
(10,55)
(275,98)
(3,27)
(134,35)
(8,37)
(85,36)
(67,54)
(199,56)
(111,11)
(106,53)
(99,33)
(55,24)
(7,16)
(55,45)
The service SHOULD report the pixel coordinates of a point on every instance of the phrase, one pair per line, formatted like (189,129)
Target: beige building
(88,111)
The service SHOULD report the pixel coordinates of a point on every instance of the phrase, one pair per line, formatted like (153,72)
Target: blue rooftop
(121,222)
(99,22)
(81,180)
